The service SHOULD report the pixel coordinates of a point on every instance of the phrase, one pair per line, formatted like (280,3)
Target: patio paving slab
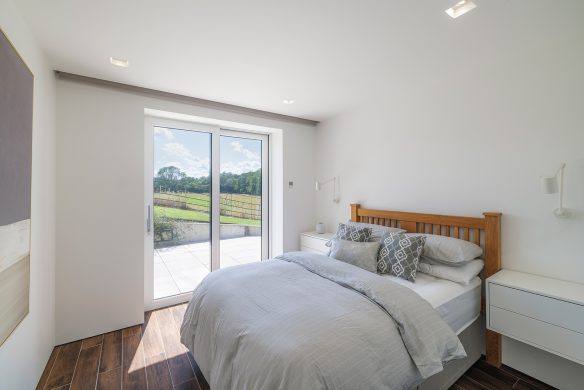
(179,269)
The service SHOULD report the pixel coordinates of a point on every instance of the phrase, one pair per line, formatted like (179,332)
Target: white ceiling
(327,55)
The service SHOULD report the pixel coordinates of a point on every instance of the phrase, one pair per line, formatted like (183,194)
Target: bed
(307,321)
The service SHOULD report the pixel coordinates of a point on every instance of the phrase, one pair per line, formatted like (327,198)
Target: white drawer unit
(543,312)
(314,242)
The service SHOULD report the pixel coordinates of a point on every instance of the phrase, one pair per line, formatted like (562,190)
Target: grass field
(197,216)
(235,208)
(228,201)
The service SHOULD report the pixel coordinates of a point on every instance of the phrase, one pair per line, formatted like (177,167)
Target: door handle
(148,221)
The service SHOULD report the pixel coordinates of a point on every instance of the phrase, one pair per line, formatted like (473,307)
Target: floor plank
(110,380)
(526,378)
(134,372)
(85,376)
(157,369)
(487,380)
(62,372)
(178,312)
(501,375)
(92,341)
(467,383)
(523,385)
(188,385)
(111,354)
(198,373)
(176,353)
(132,330)
(48,368)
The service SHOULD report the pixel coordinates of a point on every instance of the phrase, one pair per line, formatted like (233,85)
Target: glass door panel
(181,210)
(241,203)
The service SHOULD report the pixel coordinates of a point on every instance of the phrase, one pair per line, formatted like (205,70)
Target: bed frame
(485,232)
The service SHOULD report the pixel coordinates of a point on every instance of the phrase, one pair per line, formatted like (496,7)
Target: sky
(190,151)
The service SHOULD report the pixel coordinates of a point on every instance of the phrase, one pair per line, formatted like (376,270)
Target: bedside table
(543,312)
(314,242)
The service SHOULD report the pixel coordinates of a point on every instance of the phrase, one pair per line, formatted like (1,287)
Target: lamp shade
(549,185)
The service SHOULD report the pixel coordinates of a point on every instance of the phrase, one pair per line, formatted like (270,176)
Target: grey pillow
(351,233)
(449,250)
(377,231)
(399,255)
(359,254)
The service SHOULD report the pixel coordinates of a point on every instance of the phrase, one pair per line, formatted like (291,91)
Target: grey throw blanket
(306,321)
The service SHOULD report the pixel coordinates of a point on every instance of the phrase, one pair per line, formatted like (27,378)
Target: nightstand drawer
(316,244)
(554,311)
(553,338)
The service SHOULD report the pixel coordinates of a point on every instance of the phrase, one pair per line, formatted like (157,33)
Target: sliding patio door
(206,198)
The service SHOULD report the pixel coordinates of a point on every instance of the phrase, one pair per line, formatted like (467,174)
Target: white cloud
(241,166)
(238,147)
(177,149)
(192,167)
(164,132)
(195,166)
(190,164)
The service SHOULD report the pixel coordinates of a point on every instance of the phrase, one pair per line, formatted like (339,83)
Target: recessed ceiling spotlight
(119,62)
(460,8)
(288,101)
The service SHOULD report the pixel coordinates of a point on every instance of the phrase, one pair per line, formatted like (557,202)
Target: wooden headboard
(485,232)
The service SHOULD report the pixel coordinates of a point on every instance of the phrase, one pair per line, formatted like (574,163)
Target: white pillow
(377,231)
(462,274)
(449,250)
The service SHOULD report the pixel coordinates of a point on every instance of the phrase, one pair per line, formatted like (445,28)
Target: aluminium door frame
(150,122)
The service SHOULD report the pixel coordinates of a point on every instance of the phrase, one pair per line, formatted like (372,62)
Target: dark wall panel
(16,99)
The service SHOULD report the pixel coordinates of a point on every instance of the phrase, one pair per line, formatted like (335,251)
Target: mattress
(457,304)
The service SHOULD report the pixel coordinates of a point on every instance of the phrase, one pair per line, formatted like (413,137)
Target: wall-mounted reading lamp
(549,185)
(319,184)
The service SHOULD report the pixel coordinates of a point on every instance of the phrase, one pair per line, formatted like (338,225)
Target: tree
(173,179)
(169,178)
(171,173)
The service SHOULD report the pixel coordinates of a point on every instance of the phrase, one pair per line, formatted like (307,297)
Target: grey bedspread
(306,321)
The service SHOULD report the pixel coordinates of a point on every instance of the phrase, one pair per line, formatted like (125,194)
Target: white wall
(25,353)
(461,136)
(100,267)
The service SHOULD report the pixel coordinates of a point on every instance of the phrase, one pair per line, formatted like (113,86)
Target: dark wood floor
(483,376)
(151,356)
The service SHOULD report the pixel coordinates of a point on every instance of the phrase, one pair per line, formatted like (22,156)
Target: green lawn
(229,202)
(190,215)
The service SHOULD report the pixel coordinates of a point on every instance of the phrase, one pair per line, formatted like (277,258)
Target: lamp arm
(335,199)
(319,184)
(328,181)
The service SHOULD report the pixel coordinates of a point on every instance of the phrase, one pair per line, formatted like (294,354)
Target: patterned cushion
(399,255)
(351,233)
(377,231)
